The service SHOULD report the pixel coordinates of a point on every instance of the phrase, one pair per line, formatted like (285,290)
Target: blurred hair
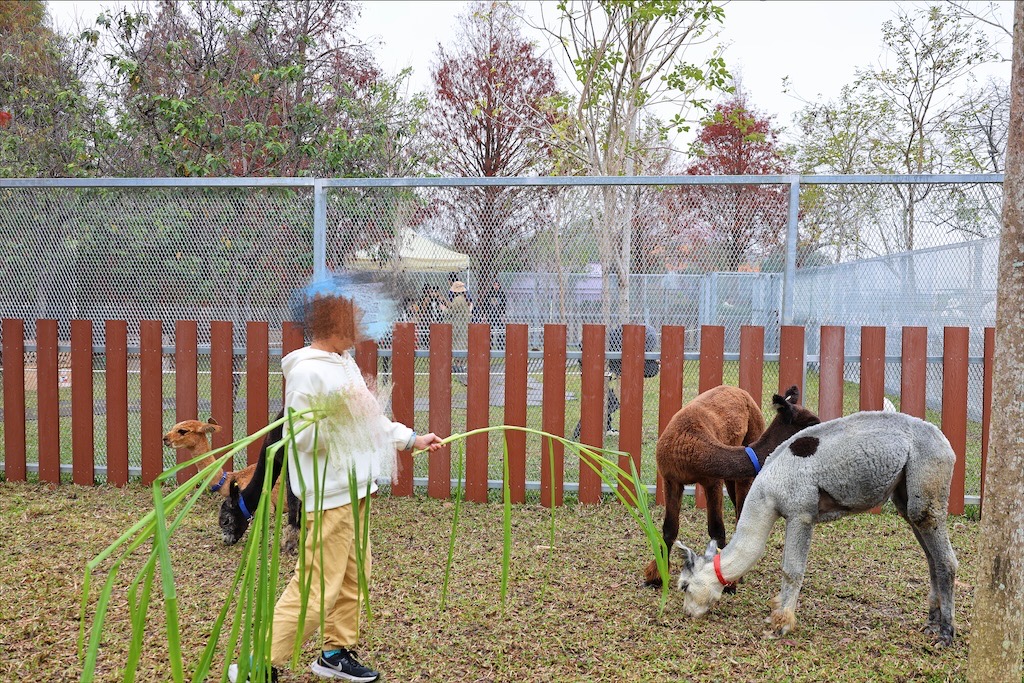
(326,316)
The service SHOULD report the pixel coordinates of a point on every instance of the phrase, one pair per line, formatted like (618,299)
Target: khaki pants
(340,574)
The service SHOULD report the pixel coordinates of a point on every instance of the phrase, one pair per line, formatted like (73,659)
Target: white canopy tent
(415,253)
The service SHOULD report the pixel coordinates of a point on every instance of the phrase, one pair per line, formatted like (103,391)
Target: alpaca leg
(899,499)
(926,513)
(942,568)
(716,523)
(794,561)
(742,488)
(669,529)
(730,488)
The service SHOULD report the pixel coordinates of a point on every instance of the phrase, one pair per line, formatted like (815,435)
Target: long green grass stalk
(506,523)
(250,601)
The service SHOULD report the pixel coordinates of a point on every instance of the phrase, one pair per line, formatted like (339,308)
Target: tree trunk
(998,624)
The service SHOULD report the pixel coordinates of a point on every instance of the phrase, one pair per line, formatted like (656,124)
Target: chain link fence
(730,251)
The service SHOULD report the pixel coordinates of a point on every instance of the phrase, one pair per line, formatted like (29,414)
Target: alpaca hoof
(290,541)
(941,635)
(652,577)
(782,621)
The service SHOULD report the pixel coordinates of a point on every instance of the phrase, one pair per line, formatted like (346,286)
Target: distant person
(493,306)
(459,311)
(453,279)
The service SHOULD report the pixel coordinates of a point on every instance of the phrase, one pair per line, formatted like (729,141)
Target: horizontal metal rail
(536,181)
(568,487)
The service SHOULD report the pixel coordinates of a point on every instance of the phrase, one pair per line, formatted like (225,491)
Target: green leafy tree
(624,58)
(898,117)
(49,125)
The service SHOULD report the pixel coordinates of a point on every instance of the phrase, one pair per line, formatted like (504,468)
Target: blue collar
(241,506)
(223,478)
(750,454)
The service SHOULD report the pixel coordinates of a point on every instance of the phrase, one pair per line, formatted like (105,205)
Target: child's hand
(425,442)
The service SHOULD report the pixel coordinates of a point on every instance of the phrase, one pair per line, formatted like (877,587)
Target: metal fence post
(319,229)
(789,277)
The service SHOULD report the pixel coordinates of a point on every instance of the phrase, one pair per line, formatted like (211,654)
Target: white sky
(817,44)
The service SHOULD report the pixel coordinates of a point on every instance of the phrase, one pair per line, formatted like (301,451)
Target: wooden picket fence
(517,348)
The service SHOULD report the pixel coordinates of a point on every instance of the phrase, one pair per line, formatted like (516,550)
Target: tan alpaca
(194,437)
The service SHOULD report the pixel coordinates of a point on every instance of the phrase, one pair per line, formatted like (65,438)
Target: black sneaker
(343,665)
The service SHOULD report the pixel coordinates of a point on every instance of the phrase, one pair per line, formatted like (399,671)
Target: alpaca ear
(689,557)
(211,427)
(712,549)
(234,490)
(793,394)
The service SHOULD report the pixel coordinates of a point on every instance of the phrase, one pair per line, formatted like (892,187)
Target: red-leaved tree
(488,113)
(731,227)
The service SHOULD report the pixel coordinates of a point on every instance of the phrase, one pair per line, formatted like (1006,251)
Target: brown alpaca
(194,437)
(714,439)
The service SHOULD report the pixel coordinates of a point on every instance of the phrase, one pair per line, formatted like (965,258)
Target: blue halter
(245,511)
(753,459)
(223,478)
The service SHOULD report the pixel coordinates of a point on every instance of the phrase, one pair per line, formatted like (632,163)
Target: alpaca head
(233,522)
(698,582)
(190,434)
(790,418)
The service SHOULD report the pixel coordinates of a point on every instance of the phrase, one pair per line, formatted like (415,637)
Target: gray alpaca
(837,468)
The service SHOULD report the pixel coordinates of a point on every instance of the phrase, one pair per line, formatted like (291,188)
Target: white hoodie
(364,437)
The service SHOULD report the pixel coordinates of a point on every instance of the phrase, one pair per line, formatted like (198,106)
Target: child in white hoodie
(358,437)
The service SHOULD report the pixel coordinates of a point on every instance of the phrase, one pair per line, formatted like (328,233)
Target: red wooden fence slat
(221,390)
(14,399)
(151,398)
(712,355)
(670,393)
(291,339)
(986,404)
(478,408)
(83,467)
(954,407)
(257,383)
(552,453)
(48,396)
(872,367)
(517,347)
(751,375)
(914,371)
(116,371)
(186,383)
(439,481)
(403,393)
(830,380)
(791,358)
(872,372)
(631,412)
(593,389)
(366,361)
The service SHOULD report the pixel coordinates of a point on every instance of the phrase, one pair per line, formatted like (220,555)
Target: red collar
(718,571)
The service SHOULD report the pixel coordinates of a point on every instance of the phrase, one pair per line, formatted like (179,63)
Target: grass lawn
(577,609)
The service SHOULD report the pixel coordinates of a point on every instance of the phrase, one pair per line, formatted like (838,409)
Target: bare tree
(997,640)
